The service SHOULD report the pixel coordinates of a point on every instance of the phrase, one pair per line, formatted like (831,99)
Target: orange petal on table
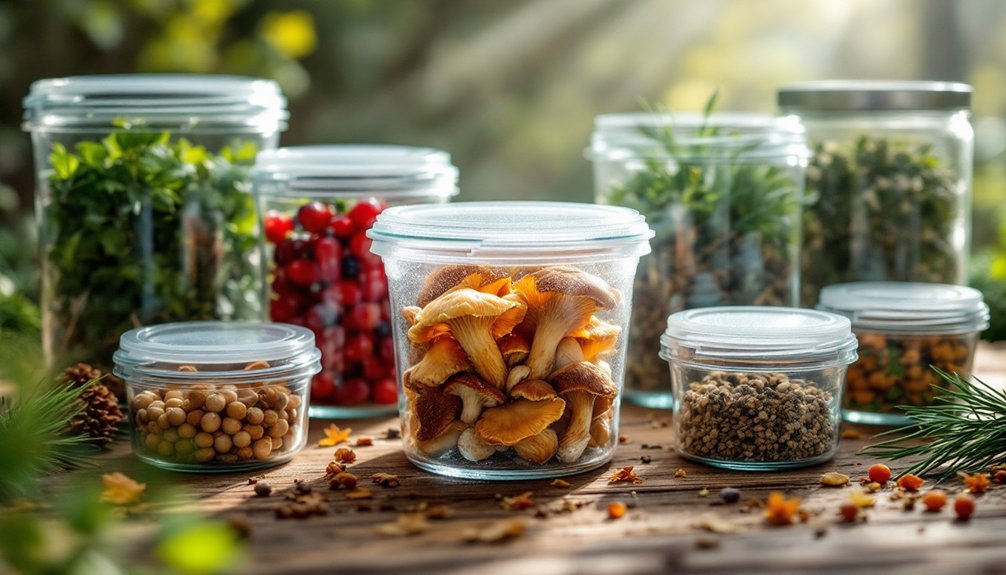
(334,436)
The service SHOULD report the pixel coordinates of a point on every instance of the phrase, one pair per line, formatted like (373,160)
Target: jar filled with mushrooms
(509,327)
(217,396)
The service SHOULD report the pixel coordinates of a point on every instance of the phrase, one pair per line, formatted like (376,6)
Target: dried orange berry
(880,473)
(977,483)
(848,511)
(616,509)
(910,482)
(934,500)
(964,506)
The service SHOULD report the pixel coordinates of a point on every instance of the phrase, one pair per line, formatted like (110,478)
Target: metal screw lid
(867,96)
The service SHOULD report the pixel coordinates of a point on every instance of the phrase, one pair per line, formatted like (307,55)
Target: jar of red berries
(316,204)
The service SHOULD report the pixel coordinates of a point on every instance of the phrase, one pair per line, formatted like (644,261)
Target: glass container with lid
(723,194)
(142,203)
(509,321)
(318,203)
(217,396)
(905,329)
(757,388)
(889,181)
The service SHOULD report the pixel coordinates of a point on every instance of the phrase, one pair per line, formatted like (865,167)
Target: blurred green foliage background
(510,87)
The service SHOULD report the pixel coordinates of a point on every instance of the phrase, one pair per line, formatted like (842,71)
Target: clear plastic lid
(908,307)
(758,334)
(220,348)
(356,171)
(160,101)
(517,232)
(734,137)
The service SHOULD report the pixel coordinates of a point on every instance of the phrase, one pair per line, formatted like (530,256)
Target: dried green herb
(144,228)
(878,209)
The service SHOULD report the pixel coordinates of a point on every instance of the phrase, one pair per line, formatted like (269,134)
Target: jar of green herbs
(888,184)
(143,203)
(723,193)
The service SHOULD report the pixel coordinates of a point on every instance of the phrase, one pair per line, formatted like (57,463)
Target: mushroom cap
(514,348)
(443,359)
(533,389)
(536,288)
(446,440)
(491,397)
(517,420)
(435,410)
(410,313)
(446,278)
(598,338)
(431,322)
(585,377)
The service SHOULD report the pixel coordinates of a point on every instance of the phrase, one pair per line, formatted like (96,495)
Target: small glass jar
(142,203)
(889,181)
(757,388)
(723,194)
(509,322)
(318,203)
(217,396)
(905,330)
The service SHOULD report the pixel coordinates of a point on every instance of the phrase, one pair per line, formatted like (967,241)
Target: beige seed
(281,402)
(242,439)
(271,417)
(254,416)
(195,417)
(152,427)
(156,403)
(237,410)
(196,399)
(280,429)
(175,402)
(215,403)
(277,443)
(152,440)
(184,446)
(230,426)
(142,400)
(203,439)
(141,417)
(205,454)
(295,402)
(245,453)
(255,431)
(163,422)
(223,443)
(172,394)
(176,416)
(262,448)
(187,430)
(229,395)
(170,434)
(165,448)
(292,414)
(210,423)
(154,411)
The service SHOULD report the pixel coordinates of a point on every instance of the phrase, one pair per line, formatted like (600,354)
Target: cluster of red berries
(326,279)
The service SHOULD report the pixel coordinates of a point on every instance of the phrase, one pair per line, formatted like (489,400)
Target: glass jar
(889,181)
(509,322)
(217,396)
(318,203)
(723,194)
(142,203)
(757,388)
(905,331)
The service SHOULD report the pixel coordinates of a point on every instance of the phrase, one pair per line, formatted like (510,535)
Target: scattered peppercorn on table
(398,519)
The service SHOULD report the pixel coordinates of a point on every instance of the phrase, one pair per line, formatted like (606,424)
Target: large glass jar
(888,184)
(143,203)
(757,388)
(723,194)
(318,203)
(907,331)
(509,322)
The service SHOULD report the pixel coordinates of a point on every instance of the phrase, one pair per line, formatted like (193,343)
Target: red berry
(374,285)
(364,213)
(320,317)
(280,283)
(327,252)
(277,226)
(343,227)
(284,308)
(964,506)
(302,272)
(353,391)
(373,368)
(351,294)
(365,316)
(314,217)
(322,386)
(387,350)
(385,391)
(879,473)
(289,250)
(359,347)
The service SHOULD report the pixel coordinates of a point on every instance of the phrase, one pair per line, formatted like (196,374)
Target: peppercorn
(263,489)
(646,459)
(730,495)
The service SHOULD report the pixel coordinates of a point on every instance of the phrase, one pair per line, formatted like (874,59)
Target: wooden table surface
(568,531)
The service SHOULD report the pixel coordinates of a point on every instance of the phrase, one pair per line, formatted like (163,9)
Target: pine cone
(101,414)
(79,375)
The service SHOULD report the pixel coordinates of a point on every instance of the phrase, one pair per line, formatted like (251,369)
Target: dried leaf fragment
(680,473)
(977,483)
(861,499)
(834,479)
(715,524)
(405,525)
(334,468)
(439,512)
(910,482)
(561,484)
(625,475)
(364,442)
(121,489)
(345,455)
(518,502)
(334,436)
(344,480)
(359,493)
(385,479)
(497,531)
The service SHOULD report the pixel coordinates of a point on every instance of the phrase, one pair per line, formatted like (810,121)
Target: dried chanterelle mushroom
(517,420)
(560,303)
(448,278)
(580,384)
(597,339)
(435,412)
(442,360)
(475,395)
(475,319)
(514,349)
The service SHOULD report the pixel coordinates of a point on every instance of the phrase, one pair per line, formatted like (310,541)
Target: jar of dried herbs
(888,184)
(757,388)
(723,193)
(905,330)
(143,203)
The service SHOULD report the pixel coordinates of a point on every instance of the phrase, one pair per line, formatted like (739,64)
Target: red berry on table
(385,391)
(879,473)
(358,347)
(302,272)
(343,227)
(277,226)
(314,217)
(365,212)
(351,294)
(365,316)
(353,391)
(322,386)
(327,253)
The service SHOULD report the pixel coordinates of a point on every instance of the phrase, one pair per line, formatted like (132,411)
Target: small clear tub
(217,396)
(757,388)
(905,329)
(509,321)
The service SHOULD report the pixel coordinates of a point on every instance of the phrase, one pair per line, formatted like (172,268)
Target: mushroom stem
(577,435)
(474,333)
(557,319)
(539,448)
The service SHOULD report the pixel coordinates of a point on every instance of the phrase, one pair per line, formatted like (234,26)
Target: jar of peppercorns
(217,396)
(905,330)
(317,203)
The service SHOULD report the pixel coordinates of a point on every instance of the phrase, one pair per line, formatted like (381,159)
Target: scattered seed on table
(645,459)
(730,495)
(263,489)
